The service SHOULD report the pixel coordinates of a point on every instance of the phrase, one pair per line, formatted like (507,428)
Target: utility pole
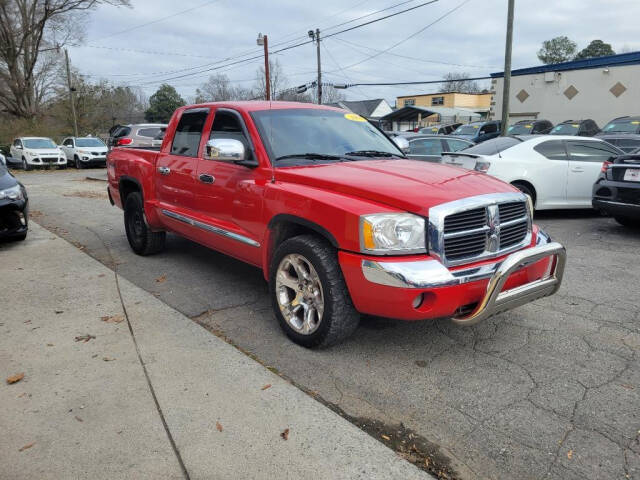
(316,37)
(71,90)
(506,86)
(264,40)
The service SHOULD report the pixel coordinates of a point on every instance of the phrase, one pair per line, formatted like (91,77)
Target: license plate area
(632,175)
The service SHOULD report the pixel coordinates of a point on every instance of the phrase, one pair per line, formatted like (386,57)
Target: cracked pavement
(548,391)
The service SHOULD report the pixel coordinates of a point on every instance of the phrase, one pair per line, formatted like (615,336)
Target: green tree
(557,50)
(162,104)
(597,48)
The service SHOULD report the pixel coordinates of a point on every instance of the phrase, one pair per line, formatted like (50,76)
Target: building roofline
(443,93)
(621,59)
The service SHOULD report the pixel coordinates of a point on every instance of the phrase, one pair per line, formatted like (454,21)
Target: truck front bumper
(422,288)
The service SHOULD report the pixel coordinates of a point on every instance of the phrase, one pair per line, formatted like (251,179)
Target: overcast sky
(470,40)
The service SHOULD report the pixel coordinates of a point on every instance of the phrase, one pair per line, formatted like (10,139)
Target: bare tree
(459,82)
(277,80)
(331,94)
(31,34)
(219,88)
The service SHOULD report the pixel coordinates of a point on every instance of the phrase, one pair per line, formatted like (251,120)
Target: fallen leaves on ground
(78,418)
(85,338)
(49,344)
(162,278)
(268,385)
(58,312)
(112,318)
(108,359)
(15,378)
(285,434)
(386,437)
(570,454)
(627,386)
(219,427)
(27,446)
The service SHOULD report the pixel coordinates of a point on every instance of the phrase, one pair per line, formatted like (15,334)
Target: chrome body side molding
(210,228)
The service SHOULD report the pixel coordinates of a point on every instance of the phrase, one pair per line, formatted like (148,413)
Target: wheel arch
(284,226)
(529,185)
(127,185)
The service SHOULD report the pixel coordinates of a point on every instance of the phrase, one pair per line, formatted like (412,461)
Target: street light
(264,41)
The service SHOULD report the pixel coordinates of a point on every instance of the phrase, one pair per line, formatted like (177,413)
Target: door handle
(164,170)
(204,178)
(577,169)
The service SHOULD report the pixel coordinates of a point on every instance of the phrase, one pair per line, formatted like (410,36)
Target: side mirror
(402,143)
(225,150)
(19,147)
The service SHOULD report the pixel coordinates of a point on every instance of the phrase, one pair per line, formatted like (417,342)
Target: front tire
(78,163)
(527,190)
(309,295)
(25,166)
(142,240)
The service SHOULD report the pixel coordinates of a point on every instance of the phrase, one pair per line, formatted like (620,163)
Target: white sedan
(556,171)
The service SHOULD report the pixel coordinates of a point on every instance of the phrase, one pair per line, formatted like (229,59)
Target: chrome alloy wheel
(299,294)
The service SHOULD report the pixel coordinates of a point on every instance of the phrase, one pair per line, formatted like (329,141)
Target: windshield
(493,146)
(566,129)
(39,143)
(622,127)
(299,131)
(467,130)
(520,129)
(89,142)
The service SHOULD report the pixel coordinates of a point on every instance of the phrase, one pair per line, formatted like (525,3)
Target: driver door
(229,195)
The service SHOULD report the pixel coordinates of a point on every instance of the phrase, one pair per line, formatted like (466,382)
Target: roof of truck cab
(257,105)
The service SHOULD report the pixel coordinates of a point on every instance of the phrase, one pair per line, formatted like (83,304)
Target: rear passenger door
(176,170)
(585,163)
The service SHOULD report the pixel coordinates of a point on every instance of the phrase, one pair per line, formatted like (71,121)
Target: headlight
(392,233)
(482,166)
(13,193)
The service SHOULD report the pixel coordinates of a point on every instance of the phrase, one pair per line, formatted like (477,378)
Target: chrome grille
(479,227)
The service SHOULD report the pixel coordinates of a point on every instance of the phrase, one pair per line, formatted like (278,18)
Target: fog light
(418,301)
(85,158)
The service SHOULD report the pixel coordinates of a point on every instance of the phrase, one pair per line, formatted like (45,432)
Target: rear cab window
(186,139)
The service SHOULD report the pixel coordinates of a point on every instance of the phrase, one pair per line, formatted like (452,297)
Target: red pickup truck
(338,219)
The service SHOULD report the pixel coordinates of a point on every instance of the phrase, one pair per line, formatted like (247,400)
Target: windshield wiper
(311,156)
(372,153)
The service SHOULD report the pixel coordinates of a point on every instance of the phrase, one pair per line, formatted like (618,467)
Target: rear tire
(319,260)
(142,240)
(628,222)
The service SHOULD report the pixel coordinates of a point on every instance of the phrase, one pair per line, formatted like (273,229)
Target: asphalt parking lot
(550,390)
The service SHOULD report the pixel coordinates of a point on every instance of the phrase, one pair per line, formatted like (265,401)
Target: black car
(478,132)
(617,191)
(580,128)
(443,129)
(622,125)
(14,207)
(627,142)
(530,127)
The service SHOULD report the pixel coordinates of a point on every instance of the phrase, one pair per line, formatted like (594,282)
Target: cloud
(472,37)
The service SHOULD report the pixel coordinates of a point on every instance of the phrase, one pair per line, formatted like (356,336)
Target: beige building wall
(597,93)
(451,100)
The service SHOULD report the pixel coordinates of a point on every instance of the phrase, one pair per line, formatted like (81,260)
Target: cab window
(228,124)
(186,140)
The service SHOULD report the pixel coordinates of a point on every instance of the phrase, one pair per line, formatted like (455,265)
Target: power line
(380,52)
(155,21)
(418,82)
(424,60)
(310,41)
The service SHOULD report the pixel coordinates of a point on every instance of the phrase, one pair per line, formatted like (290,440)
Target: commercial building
(477,102)
(600,88)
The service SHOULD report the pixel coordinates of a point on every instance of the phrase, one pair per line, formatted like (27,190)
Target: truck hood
(409,185)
